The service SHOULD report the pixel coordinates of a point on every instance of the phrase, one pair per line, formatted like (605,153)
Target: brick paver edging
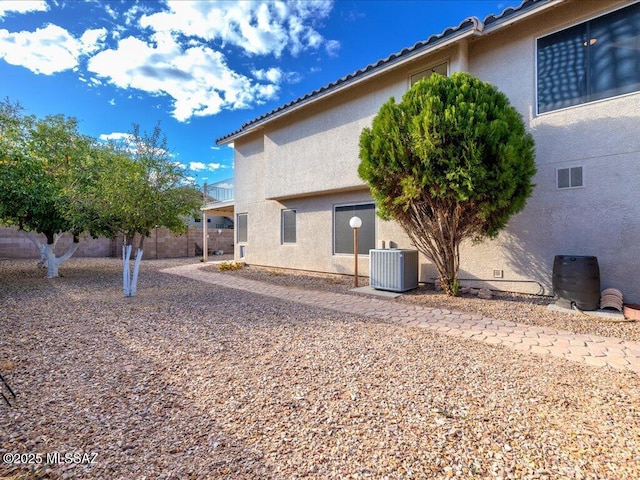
(590,349)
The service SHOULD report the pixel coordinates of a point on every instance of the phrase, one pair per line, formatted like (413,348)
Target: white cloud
(216,166)
(180,55)
(48,50)
(115,136)
(197,166)
(273,75)
(22,6)
(112,102)
(198,78)
(92,40)
(180,165)
(332,47)
(259,28)
(110,11)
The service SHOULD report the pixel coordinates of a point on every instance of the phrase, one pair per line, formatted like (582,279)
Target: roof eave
(478,28)
(475,29)
(503,20)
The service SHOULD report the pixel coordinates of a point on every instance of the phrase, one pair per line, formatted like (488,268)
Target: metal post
(355,223)
(205,247)
(355,257)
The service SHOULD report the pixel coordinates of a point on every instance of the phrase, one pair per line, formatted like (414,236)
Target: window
(242,227)
(343,233)
(288,226)
(442,69)
(570,177)
(594,60)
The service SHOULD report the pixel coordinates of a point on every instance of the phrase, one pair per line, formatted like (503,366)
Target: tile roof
(468,24)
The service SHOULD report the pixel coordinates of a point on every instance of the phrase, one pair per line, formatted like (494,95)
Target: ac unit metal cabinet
(394,270)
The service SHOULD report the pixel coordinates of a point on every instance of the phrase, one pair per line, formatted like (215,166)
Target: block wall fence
(160,244)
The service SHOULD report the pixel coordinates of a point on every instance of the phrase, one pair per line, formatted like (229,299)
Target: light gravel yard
(192,380)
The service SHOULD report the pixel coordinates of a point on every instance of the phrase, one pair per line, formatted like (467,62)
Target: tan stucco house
(572,69)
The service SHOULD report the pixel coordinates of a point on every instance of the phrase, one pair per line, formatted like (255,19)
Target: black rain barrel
(576,279)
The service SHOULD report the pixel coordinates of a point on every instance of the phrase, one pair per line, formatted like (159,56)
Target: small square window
(570,177)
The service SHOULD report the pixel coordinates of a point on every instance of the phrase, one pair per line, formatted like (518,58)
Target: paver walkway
(590,349)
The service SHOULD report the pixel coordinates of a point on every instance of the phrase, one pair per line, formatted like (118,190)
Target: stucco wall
(315,150)
(313,249)
(603,217)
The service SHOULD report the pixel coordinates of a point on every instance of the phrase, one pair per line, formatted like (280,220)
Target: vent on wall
(569,177)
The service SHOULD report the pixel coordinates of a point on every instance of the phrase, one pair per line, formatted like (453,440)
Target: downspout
(463,45)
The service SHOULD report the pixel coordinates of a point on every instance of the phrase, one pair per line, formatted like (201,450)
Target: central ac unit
(394,270)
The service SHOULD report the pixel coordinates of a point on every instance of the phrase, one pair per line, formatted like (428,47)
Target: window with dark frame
(242,227)
(343,233)
(591,61)
(288,226)
(570,177)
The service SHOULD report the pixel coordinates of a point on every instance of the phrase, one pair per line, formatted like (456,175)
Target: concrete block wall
(160,244)
(14,244)
(163,244)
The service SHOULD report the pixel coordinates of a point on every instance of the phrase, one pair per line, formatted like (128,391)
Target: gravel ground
(192,380)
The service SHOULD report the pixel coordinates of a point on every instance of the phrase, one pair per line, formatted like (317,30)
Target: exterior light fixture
(355,223)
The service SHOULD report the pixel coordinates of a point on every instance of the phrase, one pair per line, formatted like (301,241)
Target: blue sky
(201,68)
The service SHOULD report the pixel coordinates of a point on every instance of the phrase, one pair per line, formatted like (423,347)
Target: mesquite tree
(38,162)
(451,162)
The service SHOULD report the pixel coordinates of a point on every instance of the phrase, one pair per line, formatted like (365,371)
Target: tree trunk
(47,254)
(136,268)
(53,262)
(39,245)
(129,281)
(126,270)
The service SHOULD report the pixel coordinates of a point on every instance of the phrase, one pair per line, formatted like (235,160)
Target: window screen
(344,233)
(288,226)
(242,227)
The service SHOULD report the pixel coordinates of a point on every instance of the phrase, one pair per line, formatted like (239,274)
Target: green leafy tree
(451,162)
(38,161)
(136,187)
